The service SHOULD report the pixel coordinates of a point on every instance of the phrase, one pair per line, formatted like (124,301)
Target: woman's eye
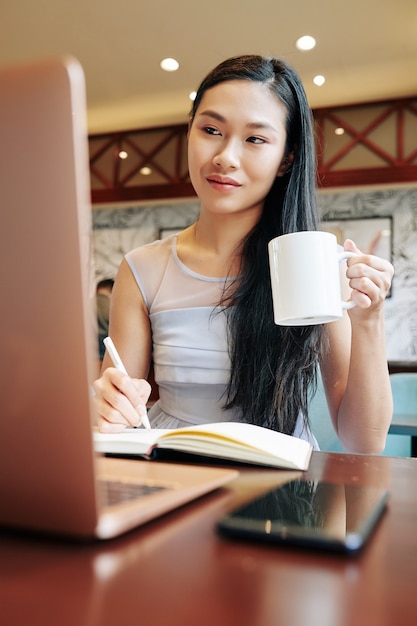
(255,140)
(211,131)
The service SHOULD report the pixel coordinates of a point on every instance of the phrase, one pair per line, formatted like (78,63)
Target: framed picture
(372,235)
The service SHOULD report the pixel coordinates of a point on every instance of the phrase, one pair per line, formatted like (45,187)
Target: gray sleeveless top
(190,354)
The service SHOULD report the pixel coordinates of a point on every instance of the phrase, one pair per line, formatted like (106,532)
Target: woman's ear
(286,164)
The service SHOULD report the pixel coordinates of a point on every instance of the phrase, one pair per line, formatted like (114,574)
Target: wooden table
(177,572)
(406,425)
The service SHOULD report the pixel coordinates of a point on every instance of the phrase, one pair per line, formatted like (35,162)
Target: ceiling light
(145,171)
(123,154)
(193,95)
(305,43)
(169,65)
(339,131)
(319,80)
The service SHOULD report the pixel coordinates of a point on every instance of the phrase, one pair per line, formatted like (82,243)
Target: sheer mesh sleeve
(166,283)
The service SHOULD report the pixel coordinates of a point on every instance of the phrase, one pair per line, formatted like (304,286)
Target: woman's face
(236,146)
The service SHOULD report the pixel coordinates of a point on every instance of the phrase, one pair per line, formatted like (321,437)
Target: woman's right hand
(120,400)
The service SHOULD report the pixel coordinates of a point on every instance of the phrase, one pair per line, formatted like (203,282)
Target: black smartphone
(313,514)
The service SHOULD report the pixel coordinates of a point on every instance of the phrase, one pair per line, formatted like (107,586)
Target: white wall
(401,308)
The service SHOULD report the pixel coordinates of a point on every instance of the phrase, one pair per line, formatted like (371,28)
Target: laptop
(50,478)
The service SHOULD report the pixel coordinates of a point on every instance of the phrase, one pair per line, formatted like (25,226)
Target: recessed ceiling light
(193,95)
(169,65)
(339,131)
(319,80)
(123,154)
(145,171)
(305,43)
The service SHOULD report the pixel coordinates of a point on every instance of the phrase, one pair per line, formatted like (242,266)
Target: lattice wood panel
(373,143)
(363,144)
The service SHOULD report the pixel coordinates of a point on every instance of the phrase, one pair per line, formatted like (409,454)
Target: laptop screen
(47,332)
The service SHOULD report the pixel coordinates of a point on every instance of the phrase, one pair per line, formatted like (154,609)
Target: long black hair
(272,367)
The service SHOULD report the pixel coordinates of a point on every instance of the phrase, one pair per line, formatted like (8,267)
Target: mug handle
(342,256)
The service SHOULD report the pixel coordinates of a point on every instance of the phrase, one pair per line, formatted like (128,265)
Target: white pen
(118,364)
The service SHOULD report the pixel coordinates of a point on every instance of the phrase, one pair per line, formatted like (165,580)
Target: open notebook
(227,441)
(50,478)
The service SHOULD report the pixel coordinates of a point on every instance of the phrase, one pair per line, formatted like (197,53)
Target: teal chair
(404,393)
(321,423)
(404,389)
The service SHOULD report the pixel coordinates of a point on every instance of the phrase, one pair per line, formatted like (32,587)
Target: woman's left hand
(369,278)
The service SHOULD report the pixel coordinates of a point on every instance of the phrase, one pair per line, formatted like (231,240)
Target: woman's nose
(228,157)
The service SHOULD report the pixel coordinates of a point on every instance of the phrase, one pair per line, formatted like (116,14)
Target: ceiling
(367,49)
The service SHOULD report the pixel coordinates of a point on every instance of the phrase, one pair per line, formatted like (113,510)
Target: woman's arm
(355,370)
(121,400)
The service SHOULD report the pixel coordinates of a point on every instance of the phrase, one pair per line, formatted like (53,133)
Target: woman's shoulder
(159,250)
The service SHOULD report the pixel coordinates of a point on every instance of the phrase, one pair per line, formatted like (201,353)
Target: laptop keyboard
(115,492)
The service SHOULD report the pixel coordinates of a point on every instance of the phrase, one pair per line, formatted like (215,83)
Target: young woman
(200,304)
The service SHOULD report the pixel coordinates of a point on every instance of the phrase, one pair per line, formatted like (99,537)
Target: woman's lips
(222,182)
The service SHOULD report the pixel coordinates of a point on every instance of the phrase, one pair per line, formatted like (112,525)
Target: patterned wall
(117,230)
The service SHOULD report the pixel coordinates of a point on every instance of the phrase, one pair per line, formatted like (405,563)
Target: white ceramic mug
(305,278)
